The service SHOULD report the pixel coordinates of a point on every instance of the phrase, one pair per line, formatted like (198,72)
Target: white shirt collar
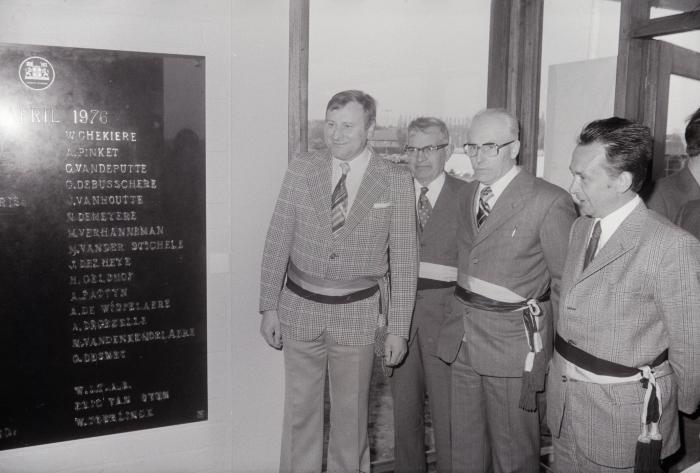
(613,220)
(357,163)
(434,188)
(499,186)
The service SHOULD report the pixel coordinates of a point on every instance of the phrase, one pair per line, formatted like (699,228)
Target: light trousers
(349,372)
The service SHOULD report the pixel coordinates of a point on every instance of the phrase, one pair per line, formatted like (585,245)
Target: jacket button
(475,260)
(334,256)
(563,378)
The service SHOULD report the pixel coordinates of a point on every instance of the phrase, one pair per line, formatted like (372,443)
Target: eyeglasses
(488,150)
(425,149)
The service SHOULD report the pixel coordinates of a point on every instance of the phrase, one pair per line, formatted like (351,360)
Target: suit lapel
(319,181)
(623,240)
(371,188)
(510,202)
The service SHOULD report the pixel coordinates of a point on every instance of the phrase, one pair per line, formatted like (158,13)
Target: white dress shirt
(497,188)
(612,221)
(434,189)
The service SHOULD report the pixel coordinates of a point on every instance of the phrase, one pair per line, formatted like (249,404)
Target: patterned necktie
(484,207)
(339,200)
(592,245)
(424,208)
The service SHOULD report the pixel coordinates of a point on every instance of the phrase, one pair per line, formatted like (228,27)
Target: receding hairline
(509,122)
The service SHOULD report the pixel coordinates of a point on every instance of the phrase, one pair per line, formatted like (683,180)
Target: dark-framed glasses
(488,150)
(412,150)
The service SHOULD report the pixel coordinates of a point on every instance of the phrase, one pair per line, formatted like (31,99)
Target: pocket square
(381,205)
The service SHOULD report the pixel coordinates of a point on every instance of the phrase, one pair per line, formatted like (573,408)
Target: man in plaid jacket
(339,214)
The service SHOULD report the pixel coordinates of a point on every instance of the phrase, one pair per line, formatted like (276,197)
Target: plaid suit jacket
(381,221)
(521,246)
(639,296)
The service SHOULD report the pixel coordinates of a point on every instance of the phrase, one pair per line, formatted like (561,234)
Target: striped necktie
(592,245)
(339,200)
(484,207)
(424,208)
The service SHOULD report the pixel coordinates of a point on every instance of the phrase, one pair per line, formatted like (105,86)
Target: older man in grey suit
(628,336)
(512,244)
(437,206)
(338,215)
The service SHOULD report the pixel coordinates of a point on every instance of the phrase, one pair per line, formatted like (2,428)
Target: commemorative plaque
(102,243)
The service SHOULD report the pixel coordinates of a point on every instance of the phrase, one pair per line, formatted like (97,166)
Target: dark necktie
(424,208)
(484,207)
(339,200)
(592,245)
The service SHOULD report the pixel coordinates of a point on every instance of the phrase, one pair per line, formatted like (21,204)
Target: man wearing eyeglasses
(437,209)
(513,237)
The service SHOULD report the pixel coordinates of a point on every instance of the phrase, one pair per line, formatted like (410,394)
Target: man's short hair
(508,118)
(692,134)
(424,124)
(369,105)
(627,146)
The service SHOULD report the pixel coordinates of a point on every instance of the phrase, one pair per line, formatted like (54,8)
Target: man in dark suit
(513,234)
(628,335)
(437,208)
(339,213)
(671,192)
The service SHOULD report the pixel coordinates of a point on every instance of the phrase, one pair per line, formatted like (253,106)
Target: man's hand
(270,329)
(394,349)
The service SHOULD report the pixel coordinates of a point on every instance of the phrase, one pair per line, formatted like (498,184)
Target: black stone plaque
(102,243)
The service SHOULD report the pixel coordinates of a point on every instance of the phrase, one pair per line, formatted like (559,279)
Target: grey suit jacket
(521,246)
(671,192)
(639,296)
(381,221)
(689,218)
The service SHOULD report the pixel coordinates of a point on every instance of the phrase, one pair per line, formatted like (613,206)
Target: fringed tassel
(533,380)
(647,456)
(535,363)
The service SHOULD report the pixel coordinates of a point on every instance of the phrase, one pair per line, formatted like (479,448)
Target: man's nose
(573,187)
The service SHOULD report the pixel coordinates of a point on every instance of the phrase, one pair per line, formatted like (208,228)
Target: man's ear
(370,129)
(623,182)
(514,149)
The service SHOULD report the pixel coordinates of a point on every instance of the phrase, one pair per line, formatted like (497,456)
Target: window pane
(579,45)
(415,57)
(683,100)
(689,39)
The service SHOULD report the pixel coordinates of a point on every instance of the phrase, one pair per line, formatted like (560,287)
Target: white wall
(246,46)
(578,93)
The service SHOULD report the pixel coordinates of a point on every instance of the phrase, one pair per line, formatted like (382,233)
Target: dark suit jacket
(689,217)
(639,296)
(521,246)
(671,192)
(438,244)
(382,218)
